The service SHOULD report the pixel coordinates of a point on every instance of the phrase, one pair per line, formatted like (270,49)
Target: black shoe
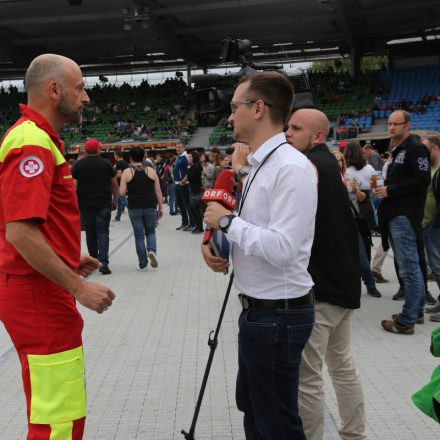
(181,227)
(105,270)
(429,299)
(197,231)
(399,296)
(188,228)
(435,309)
(373,292)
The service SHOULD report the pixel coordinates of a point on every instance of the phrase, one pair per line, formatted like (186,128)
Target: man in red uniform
(41,268)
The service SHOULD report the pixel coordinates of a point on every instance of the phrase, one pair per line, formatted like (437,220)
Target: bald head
(307,128)
(46,68)
(56,89)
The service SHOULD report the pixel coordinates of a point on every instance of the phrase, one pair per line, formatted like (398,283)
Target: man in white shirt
(271,241)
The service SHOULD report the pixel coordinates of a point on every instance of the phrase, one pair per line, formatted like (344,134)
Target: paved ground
(146,355)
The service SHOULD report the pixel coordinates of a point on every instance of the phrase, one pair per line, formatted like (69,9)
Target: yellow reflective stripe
(27,133)
(67,177)
(61,431)
(58,392)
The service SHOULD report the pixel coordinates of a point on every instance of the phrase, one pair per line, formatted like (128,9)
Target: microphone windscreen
(225,181)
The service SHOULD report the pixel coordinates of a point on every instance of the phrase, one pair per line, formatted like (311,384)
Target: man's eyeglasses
(395,124)
(235,105)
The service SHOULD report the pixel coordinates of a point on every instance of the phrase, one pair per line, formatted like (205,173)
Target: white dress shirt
(272,238)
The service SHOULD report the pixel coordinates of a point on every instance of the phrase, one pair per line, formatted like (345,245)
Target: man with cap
(95,184)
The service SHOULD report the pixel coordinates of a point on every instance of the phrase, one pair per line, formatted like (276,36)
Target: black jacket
(334,262)
(407,181)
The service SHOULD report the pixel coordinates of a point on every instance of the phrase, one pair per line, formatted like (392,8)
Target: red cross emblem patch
(31,166)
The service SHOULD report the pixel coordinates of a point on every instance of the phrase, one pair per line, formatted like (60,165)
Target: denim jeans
(431,236)
(366,274)
(270,343)
(183,203)
(96,224)
(122,204)
(172,197)
(144,225)
(404,243)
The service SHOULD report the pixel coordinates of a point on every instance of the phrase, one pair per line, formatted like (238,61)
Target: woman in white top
(360,171)
(357,166)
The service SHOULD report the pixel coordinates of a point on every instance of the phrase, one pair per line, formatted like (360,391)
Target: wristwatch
(225,222)
(244,171)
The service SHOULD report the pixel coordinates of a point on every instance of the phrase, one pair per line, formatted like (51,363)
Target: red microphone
(221,193)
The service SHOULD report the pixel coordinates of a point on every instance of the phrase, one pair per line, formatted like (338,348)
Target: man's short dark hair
(137,154)
(275,89)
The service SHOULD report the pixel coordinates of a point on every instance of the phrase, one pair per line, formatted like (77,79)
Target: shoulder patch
(31,166)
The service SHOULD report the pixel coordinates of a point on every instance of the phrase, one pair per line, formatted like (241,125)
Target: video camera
(214,92)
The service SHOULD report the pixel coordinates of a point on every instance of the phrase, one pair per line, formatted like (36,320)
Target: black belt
(248,302)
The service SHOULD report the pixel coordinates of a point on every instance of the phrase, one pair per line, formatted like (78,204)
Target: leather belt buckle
(243,301)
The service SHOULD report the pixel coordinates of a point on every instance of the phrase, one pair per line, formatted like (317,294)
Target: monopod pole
(212,342)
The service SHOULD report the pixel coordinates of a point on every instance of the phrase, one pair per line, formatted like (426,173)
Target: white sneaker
(153,260)
(142,269)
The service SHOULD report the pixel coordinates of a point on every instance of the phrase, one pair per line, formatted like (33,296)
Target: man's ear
(54,90)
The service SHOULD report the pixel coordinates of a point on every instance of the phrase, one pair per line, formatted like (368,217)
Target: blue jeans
(172,197)
(366,274)
(431,236)
(270,343)
(144,225)
(122,204)
(96,225)
(404,243)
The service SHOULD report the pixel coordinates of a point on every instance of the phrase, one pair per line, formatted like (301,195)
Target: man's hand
(239,157)
(94,296)
(381,192)
(217,264)
(87,265)
(213,213)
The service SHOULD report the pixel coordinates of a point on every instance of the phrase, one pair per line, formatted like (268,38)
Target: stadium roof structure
(129,36)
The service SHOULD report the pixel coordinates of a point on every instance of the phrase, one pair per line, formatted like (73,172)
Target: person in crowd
(120,165)
(431,220)
(224,163)
(81,155)
(174,210)
(42,271)
(335,251)
(145,206)
(95,184)
(271,240)
(400,217)
(180,170)
(207,171)
(214,157)
(160,170)
(380,255)
(357,177)
(372,157)
(194,178)
(359,170)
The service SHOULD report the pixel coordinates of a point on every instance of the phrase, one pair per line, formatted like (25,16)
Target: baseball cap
(92,145)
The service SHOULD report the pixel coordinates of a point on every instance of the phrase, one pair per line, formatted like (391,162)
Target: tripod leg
(212,342)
